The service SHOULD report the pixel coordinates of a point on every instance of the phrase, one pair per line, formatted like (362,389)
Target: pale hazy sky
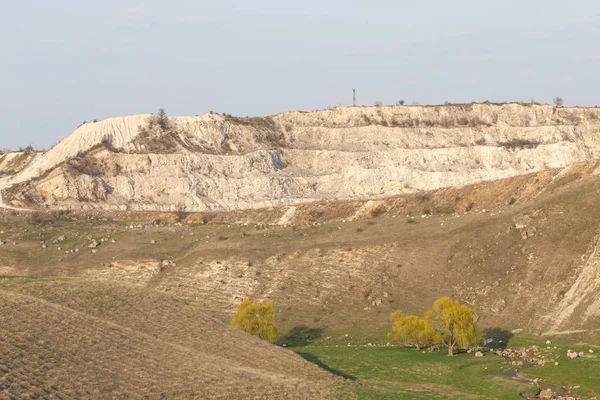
(66,61)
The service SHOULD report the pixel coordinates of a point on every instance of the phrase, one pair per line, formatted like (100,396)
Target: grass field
(400,373)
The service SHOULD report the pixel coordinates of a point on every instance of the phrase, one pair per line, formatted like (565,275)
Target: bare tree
(558,101)
(378,104)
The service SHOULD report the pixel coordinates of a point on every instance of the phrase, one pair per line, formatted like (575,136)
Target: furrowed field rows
(50,351)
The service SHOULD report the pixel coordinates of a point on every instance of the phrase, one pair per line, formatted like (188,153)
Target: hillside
(74,339)
(522,251)
(219,162)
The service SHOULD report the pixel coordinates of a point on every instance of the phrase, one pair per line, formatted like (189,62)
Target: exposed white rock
(217,162)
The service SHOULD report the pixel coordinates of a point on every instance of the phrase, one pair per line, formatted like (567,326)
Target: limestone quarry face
(221,162)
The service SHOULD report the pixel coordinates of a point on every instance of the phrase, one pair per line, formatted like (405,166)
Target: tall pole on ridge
(354,97)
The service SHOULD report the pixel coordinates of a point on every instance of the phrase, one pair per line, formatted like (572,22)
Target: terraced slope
(218,162)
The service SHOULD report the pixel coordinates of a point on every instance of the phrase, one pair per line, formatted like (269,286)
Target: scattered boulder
(572,354)
(94,244)
(2,242)
(61,238)
(153,241)
(479,354)
(498,305)
(166,263)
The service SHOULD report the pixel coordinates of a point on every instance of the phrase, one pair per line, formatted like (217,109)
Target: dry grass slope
(94,341)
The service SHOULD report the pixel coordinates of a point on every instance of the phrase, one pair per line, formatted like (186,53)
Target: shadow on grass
(300,336)
(315,360)
(496,337)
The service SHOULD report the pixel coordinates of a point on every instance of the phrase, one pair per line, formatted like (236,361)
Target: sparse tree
(558,101)
(256,319)
(456,322)
(162,120)
(378,104)
(400,102)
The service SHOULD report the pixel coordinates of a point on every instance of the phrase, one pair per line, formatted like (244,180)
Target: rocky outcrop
(222,162)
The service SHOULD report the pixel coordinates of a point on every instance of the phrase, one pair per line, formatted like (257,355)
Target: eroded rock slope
(222,162)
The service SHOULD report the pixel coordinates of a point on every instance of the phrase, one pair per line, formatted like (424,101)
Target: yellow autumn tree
(455,322)
(412,330)
(256,319)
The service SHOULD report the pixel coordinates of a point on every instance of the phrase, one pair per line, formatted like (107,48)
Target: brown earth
(67,339)
(522,255)
(521,251)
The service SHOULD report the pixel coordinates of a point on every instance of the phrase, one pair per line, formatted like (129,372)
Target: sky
(68,61)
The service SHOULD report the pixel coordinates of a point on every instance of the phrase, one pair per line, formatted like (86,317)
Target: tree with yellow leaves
(448,323)
(412,330)
(456,323)
(256,319)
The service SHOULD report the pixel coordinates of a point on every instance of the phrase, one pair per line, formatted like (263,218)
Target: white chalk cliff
(220,162)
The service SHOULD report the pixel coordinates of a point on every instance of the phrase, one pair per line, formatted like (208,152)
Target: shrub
(206,218)
(379,210)
(520,144)
(86,164)
(107,143)
(181,215)
(35,218)
(316,212)
(117,169)
(159,134)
